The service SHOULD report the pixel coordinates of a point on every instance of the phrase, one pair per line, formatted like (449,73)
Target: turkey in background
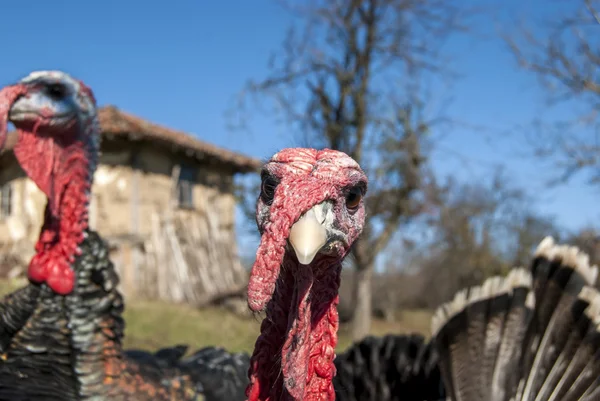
(61,335)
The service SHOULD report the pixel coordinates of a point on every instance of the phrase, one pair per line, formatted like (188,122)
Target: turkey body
(61,335)
(221,374)
(389,368)
(69,347)
(533,335)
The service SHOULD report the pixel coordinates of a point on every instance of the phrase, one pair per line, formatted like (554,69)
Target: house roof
(116,123)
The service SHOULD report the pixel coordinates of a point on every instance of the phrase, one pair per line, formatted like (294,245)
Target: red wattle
(65,179)
(62,281)
(59,160)
(37,270)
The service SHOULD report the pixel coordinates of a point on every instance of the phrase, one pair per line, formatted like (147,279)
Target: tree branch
(566,59)
(350,81)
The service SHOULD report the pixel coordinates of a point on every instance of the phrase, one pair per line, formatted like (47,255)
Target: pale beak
(24,108)
(308,235)
(36,104)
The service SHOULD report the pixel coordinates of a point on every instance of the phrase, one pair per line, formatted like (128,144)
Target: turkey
(60,336)
(309,213)
(532,335)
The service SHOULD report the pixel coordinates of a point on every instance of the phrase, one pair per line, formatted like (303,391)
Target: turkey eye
(56,91)
(267,190)
(353,198)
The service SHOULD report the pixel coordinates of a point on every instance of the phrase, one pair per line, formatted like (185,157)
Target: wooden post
(135,192)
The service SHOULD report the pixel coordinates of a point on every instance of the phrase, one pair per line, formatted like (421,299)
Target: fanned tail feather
(479,334)
(561,272)
(574,372)
(531,336)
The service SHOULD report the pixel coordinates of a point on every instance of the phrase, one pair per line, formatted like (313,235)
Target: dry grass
(150,325)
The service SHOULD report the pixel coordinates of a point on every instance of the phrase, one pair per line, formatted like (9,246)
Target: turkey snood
(57,146)
(309,213)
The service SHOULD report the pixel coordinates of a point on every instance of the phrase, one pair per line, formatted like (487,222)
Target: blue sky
(182,63)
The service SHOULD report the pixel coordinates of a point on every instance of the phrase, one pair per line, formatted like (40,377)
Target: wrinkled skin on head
(310,210)
(57,147)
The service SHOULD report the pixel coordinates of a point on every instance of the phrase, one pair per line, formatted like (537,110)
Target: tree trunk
(361,321)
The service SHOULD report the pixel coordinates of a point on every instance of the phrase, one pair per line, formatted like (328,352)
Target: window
(187,176)
(5,200)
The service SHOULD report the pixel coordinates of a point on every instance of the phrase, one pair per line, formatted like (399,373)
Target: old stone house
(162,199)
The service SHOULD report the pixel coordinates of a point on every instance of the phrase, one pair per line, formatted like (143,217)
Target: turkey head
(309,213)
(57,147)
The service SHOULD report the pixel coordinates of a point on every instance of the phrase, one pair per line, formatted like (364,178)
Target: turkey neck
(61,164)
(293,357)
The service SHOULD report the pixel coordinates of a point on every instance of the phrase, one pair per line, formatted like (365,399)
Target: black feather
(388,368)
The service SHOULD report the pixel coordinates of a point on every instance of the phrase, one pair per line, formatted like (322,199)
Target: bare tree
(480,230)
(564,55)
(348,78)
